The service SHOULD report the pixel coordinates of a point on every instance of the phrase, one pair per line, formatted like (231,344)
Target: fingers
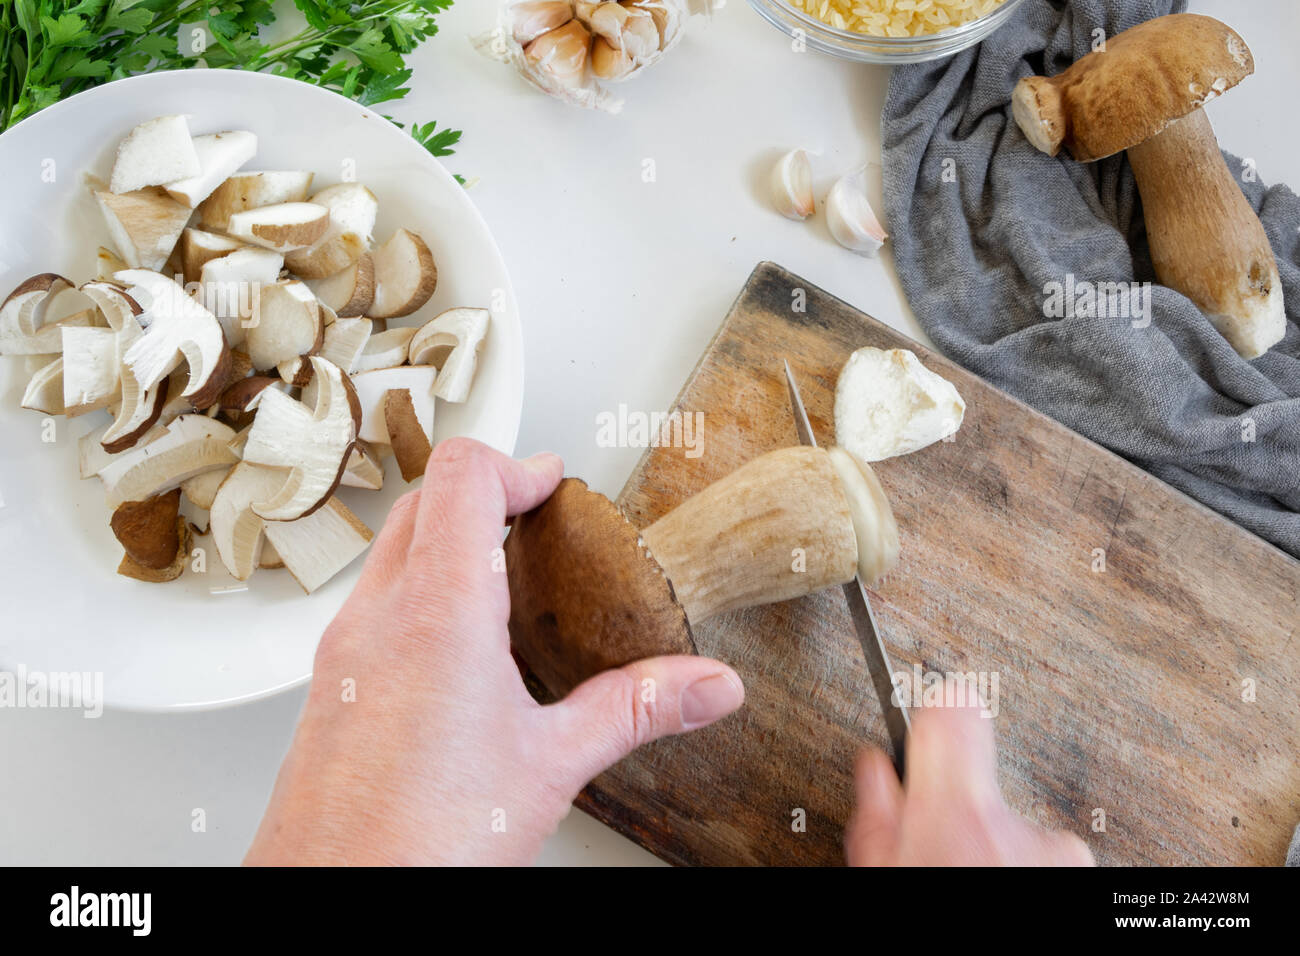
(607,717)
(952,757)
(875,830)
(469,490)
(387,555)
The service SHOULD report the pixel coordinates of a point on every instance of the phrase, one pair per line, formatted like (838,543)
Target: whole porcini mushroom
(1143,93)
(589,592)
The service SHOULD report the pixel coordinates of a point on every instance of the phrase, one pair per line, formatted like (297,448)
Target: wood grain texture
(1119,691)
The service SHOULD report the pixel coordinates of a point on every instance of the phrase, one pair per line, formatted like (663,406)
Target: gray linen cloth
(982,222)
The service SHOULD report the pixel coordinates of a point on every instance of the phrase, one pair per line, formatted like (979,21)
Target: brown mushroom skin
(585,596)
(147,530)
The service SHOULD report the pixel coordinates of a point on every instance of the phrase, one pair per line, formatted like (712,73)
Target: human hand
(950,811)
(439,754)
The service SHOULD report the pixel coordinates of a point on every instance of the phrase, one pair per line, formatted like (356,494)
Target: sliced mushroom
(451,343)
(352,209)
(285,325)
(372,386)
(157,151)
(193,444)
(270,558)
(310,445)
(232,286)
(350,291)
(345,341)
(385,349)
(91,363)
(406,434)
(243,396)
(236,528)
(44,392)
(145,225)
(92,457)
(219,155)
(108,262)
(319,546)
(198,247)
(282,227)
(251,191)
(22,316)
(132,569)
(364,469)
(201,490)
(405,276)
(147,530)
(179,329)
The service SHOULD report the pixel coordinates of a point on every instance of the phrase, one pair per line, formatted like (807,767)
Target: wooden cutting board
(1149,704)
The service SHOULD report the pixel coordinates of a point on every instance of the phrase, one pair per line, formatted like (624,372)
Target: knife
(879,668)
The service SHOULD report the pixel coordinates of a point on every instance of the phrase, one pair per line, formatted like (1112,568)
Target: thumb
(608,716)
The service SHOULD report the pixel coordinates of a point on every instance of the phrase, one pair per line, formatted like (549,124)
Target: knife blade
(879,668)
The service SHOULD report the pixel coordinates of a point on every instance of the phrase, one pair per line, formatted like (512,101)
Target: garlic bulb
(792,191)
(569,48)
(850,217)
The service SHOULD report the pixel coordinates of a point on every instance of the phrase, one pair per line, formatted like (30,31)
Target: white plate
(180,646)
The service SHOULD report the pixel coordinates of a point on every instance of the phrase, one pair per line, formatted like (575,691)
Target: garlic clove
(792,191)
(605,20)
(850,217)
(561,54)
(640,35)
(532,18)
(608,62)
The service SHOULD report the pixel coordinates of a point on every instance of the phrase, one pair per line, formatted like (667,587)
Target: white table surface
(621,284)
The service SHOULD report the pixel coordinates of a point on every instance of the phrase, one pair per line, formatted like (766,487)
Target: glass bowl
(864,48)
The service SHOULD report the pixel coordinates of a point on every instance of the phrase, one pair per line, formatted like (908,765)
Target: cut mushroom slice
(372,386)
(406,434)
(145,225)
(198,247)
(44,392)
(91,363)
(139,411)
(22,316)
(236,528)
(92,457)
(252,191)
(244,395)
(232,287)
(364,469)
(451,343)
(147,530)
(270,559)
(282,227)
(352,210)
(385,349)
(179,329)
(133,569)
(344,342)
(107,262)
(405,276)
(157,151)
(219,155)
(119,310)
(319,546)
(193,444)
(349,292)
(285,325)
(887,403)
(310,445)
(201,490)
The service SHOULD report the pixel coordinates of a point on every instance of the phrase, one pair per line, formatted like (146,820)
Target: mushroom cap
(1146,78)
(585,594)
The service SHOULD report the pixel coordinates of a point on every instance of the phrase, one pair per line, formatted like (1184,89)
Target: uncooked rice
(895,18)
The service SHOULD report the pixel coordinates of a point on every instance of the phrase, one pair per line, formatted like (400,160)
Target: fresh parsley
(50,50)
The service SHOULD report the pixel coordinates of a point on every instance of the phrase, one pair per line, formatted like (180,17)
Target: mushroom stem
(777,528)
(1206,241)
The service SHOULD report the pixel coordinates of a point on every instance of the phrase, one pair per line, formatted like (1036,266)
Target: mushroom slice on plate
(44,392)
(232,287)
(411,446)
(364,469)
(350,291)
(286,324)
(320,545)
(22,316)
(236,528)
(352,210)
(405,276)
(251,191)
(92,457)
(199,247)
(179,329)
(107,262)
(192,445)
(131,568)
(451,342)
(372,386)
(157,151)
(147,529)
(145,225)
(91,363)
(385,349)
(283,227)
(309,445)
(219,155)
(345,341)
